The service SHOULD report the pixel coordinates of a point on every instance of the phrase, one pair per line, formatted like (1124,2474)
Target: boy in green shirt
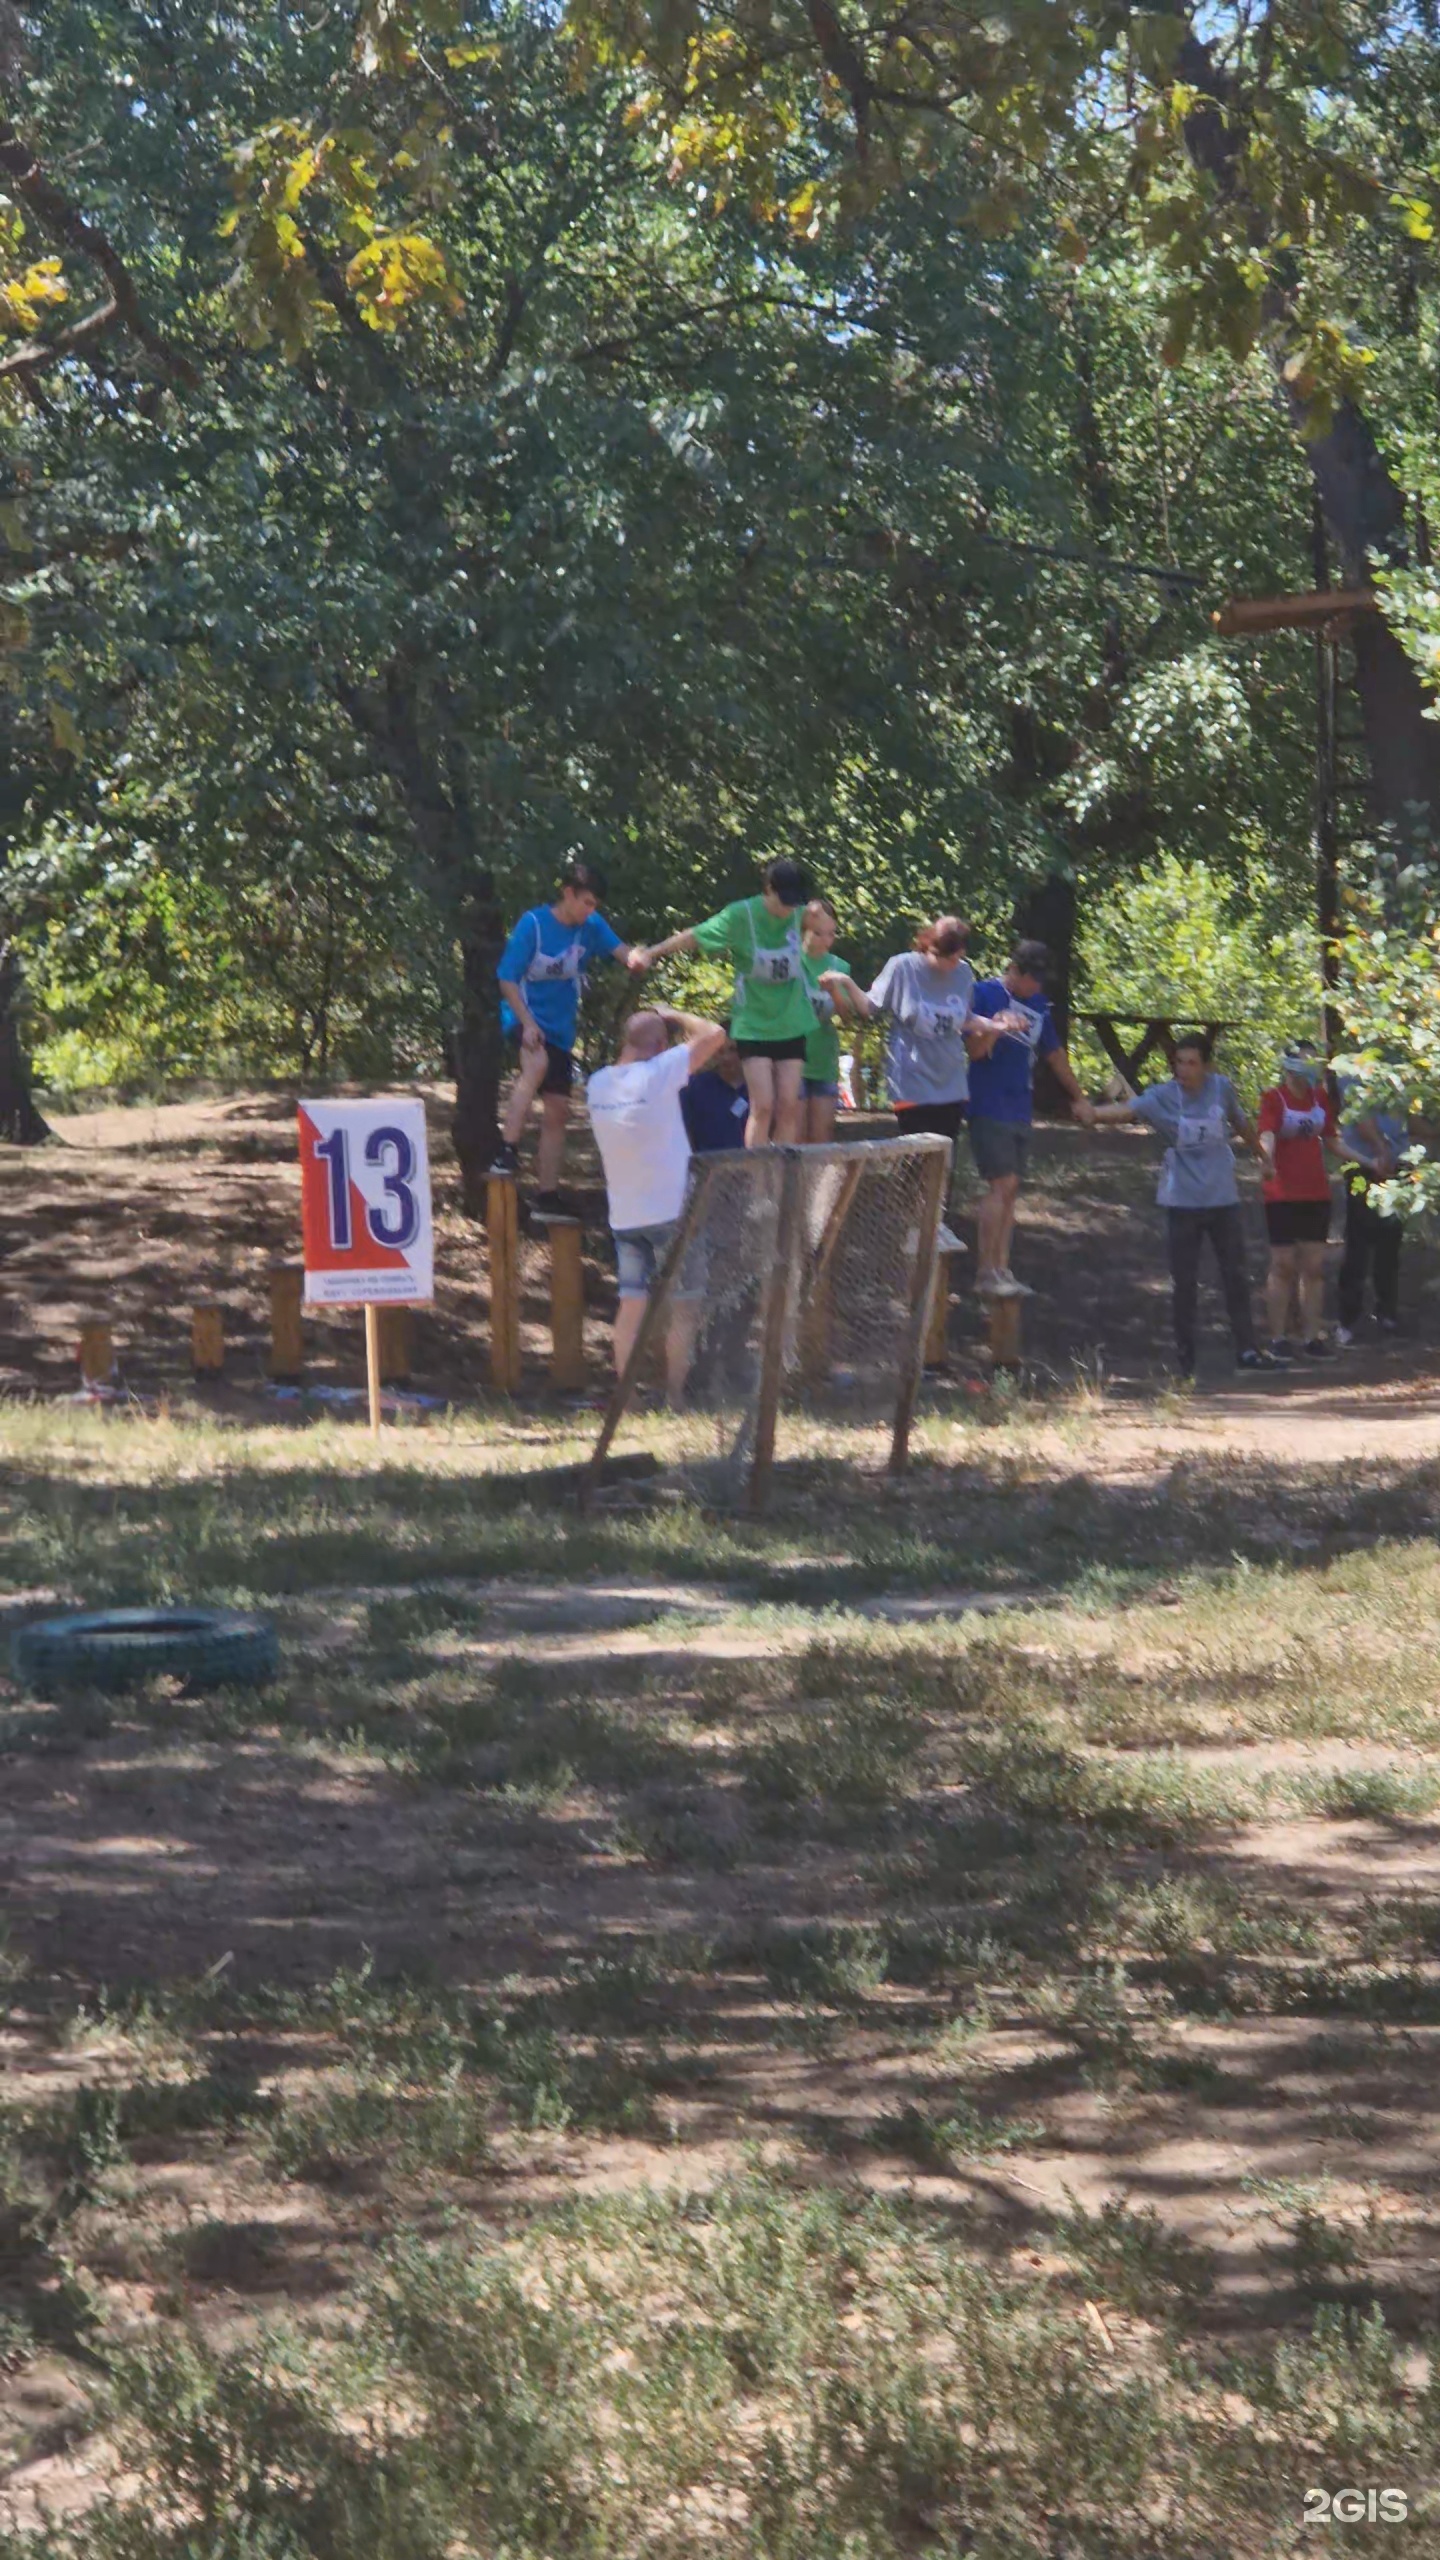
(771,1020)
(822,1049)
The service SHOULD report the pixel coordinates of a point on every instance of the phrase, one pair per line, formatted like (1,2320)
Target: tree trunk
(476,1047)
(431,780)
(21,1125)
(1363,506)
(1045,912)
(1365,513)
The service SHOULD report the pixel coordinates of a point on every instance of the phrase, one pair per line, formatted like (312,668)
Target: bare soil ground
(1050,1839)
(134,1213)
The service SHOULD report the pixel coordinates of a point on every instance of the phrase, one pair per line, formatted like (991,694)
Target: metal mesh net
(799,1281)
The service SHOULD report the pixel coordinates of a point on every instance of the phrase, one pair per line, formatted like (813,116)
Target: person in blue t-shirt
(542,969)
(715,1104)
(1010,1026)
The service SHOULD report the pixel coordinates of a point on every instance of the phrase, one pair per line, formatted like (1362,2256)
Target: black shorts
(559,1076)
(778,1049)
(1297,1221)
(929,1119)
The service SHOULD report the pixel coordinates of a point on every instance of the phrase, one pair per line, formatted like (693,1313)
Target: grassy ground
(911,2027)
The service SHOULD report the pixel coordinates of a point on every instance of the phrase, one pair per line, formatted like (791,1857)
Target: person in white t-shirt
(645,1154)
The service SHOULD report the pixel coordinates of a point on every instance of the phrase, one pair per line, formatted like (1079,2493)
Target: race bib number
(1303,1124)
(774,968)
(550,965)
(821,1006)
(1202,1129)
(939,1022)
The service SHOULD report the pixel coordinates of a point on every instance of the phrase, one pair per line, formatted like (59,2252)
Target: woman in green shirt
(771,1019)
(822,1049)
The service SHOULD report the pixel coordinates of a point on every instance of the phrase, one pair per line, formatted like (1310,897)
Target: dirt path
(134,1213)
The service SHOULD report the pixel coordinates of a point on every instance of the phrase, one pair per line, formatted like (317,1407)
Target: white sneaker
(1344,1336)
(1005,1285)
(946,1240)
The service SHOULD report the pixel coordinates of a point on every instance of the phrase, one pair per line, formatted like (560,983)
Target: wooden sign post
(365,1208)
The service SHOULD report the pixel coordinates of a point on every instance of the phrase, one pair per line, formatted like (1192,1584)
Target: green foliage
(614,513)
(1390,1000)
(1180,939)
(761,2368)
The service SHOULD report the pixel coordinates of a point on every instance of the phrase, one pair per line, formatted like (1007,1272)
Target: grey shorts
(639,1253)
(998,1146)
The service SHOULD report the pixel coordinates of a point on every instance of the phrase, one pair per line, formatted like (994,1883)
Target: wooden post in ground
(97,1353)
(394,1330)
(1002,1316)
(567,1306)
(372,1365)
(287,1337)
(207,1340)
(937,1180)
(502,1226)
(772,1326)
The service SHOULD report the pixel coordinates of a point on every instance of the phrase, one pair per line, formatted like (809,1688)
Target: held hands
(638,958)
(1084,1112)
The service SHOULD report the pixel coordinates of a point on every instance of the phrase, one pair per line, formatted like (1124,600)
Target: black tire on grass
(113,1648)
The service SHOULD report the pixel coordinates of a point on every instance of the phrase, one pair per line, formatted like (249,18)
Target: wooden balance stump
(1004,1313)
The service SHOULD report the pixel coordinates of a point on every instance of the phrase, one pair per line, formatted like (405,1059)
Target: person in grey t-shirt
(924,995)
(1199,1114)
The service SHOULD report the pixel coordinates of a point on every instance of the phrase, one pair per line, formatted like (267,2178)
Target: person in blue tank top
(541,972)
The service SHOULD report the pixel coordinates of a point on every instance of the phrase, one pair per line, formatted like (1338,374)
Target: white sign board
(365,1204)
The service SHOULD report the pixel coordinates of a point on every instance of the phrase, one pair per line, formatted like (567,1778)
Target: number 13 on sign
(365,1203)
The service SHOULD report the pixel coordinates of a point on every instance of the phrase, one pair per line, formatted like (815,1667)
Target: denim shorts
(639,1253)
(820,1089)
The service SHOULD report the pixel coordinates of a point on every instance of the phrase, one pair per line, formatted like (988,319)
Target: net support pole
(567,1306)
(656,1306)
(937,1176)
(772,1328)
(502,1227)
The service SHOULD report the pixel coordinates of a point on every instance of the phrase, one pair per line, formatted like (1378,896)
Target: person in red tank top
(1298,1136)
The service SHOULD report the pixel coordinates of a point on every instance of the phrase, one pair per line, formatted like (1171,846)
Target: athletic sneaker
(1316,1349)
(1254,1359)
(1282,1351)
(1344,1336)
(506,1159)
(1003,1284)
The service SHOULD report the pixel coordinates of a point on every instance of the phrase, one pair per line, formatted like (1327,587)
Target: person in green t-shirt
(771,1018)
(822,1049)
